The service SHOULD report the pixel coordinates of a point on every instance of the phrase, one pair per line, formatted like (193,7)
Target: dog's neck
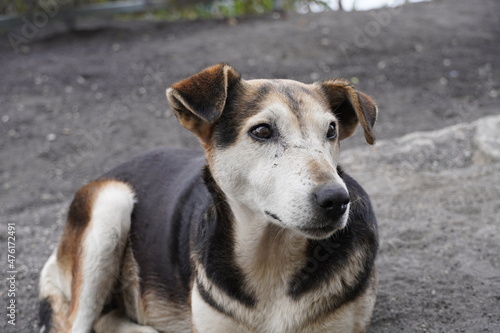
(268,255)
(264,251)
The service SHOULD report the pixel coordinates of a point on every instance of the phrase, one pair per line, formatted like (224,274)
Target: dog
(262,232)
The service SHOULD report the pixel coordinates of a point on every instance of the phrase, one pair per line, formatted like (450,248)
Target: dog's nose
(332,198)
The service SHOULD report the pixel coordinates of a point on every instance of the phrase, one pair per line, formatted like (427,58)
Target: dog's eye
(331,134)
(261,132)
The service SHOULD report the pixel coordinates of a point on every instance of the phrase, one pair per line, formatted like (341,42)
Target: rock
(487,140)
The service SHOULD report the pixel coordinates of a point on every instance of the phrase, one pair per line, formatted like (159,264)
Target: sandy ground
(75,104)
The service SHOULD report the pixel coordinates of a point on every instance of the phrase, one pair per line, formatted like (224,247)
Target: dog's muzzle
(332,202)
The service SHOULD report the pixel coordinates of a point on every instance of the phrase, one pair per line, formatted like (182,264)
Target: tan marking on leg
(150,309)
(165,315)
(57,284)
(92,245)
(131,288)
(71,241)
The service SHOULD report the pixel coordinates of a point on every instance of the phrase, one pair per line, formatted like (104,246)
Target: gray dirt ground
(75,104)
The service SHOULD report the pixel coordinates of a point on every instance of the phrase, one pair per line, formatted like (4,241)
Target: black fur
(293,103)
(45,314)
(227,127)
(208,298)
(161,218)
(213,244)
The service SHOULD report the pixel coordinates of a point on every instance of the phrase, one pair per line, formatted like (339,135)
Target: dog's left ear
(350,107)
(199,100)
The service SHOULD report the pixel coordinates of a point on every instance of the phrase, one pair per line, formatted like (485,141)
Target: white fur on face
(274,180)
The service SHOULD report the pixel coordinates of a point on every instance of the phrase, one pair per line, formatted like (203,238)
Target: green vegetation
(214,9)
(174,9)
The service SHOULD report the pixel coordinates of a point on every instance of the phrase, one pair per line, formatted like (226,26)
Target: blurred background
(82,88)
(200,8)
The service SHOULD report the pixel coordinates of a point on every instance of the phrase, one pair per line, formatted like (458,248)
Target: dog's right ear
(199,100)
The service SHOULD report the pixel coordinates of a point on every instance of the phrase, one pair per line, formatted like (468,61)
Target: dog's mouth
(319,232)
(315,232)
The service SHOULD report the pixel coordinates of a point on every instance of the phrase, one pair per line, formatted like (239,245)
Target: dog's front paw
(143,329)
(115,321)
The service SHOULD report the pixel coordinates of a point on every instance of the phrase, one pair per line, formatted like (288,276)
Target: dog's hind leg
(88,259)
(101,250)
(55,293)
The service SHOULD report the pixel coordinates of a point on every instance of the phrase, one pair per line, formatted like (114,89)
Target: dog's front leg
(117,322)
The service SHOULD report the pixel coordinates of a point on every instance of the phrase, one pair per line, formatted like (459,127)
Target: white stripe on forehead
(277,113)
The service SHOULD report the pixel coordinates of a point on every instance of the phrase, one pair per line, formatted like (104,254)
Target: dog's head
(272,146)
